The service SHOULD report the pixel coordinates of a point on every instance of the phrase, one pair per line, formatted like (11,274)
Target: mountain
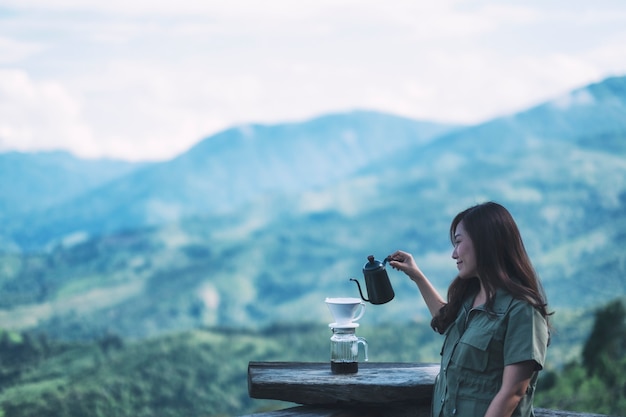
(32,182)
(272,258)
(36,181)
(226,170)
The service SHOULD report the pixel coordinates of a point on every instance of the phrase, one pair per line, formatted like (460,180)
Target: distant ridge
(32,181)
(175,245)
(226,170)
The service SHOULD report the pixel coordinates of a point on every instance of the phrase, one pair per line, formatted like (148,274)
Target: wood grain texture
(314,384)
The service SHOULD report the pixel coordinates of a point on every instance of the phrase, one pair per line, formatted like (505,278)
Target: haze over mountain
(37,181)
(223,172)
(256,225)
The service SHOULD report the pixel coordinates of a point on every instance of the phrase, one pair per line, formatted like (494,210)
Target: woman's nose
(454,254)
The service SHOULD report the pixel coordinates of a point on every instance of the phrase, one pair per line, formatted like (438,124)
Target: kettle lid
(373,264)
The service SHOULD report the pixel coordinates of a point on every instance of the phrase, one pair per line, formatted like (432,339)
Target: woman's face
(464,253)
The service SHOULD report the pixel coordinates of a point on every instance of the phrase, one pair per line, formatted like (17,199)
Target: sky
(147,79)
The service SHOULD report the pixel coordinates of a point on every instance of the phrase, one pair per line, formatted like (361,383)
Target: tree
(605,348)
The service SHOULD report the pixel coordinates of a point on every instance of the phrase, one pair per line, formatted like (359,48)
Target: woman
(495,319)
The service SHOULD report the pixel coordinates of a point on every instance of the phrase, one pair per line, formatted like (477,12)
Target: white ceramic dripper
(345,310)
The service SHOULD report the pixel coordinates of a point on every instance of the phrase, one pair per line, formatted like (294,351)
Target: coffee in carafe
(344,349)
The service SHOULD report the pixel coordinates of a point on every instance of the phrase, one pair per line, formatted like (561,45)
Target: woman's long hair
(501,262)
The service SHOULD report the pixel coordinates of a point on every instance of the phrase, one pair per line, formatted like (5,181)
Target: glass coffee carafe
(344,349)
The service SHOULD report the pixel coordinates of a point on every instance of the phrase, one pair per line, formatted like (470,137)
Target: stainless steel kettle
(377,282)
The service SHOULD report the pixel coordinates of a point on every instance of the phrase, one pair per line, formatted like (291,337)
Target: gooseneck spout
(360,292)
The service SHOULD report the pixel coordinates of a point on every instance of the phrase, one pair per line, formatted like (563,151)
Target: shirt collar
(501,302)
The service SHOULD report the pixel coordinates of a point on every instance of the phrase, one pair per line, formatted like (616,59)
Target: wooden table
(312,383)
(377,390)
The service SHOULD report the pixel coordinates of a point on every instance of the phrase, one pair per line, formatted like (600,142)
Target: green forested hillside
(195,373)
(204,372)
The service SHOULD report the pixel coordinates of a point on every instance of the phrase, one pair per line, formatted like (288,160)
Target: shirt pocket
(472,352)
(470,407)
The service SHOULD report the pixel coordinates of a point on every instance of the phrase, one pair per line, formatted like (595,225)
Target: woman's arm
(515,380)
(404,262)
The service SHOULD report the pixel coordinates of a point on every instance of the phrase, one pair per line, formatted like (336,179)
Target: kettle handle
(360,292)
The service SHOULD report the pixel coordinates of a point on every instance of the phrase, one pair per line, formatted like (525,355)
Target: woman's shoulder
(505,301)
(523,311)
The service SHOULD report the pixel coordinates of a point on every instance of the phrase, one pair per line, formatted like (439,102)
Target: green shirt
(477,347)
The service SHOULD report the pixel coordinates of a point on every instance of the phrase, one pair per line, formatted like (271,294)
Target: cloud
(147,79)
(154,112)
(40,115)
(12,50)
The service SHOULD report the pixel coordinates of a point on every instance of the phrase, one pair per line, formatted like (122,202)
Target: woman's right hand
(403,261)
